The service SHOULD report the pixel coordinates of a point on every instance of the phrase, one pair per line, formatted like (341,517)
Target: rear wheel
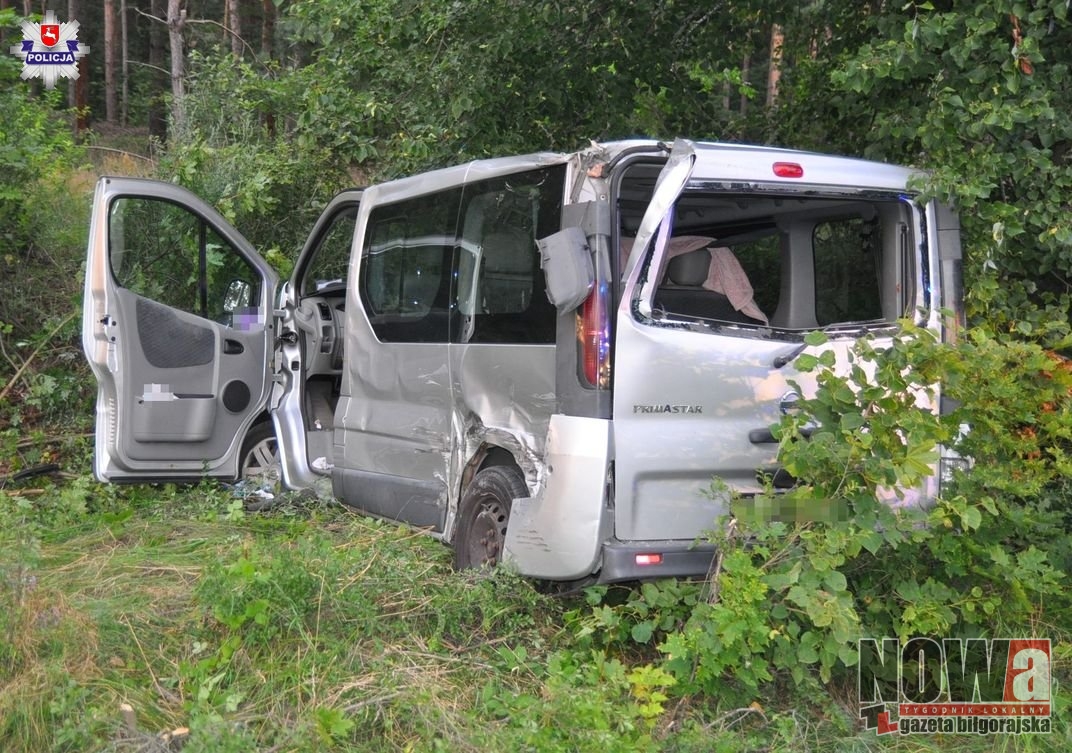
(485,511)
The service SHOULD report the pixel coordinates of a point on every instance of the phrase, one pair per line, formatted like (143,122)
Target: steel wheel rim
(487,533)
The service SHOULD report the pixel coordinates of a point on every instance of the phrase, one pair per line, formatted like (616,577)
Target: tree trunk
(77,88)
(746,66)
(267,28)
(774,70)
(81,97)
(233,24)
(176,21)
(109,62)
(124,109)
(267,39)
(157,113)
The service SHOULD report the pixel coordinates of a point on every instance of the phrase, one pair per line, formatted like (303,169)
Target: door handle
(232,347)
(765,436)
(777,477)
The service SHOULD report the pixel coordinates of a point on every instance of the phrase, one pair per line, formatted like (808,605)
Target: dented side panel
(558,533)
(503,397)
(393,429)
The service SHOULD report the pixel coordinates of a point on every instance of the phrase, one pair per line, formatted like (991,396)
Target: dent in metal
(558,532)
(588,175)
(503,397)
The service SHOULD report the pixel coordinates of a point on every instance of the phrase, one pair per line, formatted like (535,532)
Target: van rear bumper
(646,560)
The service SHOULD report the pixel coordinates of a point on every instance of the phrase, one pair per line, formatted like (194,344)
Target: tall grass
(150,618)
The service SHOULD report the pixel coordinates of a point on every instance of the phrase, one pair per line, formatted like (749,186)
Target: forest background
(143,610)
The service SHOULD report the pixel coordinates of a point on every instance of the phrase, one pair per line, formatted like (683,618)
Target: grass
(299,628)
(151,618)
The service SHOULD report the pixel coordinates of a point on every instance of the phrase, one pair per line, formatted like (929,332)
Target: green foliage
(618,619)
(239,150)
(850,551)
(17,583)
(979,95)
(260,598)
(48,377)
(311,629)
(589,702)
(35,146)
(413,85)
(43,227)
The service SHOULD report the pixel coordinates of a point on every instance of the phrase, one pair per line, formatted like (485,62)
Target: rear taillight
(953,289)
(593,338)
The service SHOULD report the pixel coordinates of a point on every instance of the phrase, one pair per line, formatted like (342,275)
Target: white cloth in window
(725,275)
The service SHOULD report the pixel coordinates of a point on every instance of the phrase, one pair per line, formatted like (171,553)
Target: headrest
(689,269)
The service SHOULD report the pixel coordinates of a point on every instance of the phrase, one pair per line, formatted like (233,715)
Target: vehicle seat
(511,306)
(682,290)
(506,278)
(689,270)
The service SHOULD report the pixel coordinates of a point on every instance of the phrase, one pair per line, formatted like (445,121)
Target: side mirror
(567,267)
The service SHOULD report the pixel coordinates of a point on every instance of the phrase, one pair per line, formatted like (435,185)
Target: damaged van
(542,360)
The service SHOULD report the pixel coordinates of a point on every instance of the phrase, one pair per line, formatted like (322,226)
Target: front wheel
(259,467)
(485,511)
(259,462)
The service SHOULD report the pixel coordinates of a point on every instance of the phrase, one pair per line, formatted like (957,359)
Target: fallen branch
(24,492)
(25,364)
(716,567)
(33,442)
(121,151)
(25,473)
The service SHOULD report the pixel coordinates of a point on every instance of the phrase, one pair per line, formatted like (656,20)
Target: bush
(35,147)
(43,227)
(803,575)
(237,151)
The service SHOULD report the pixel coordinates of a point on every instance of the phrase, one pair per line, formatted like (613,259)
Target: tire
(485,512)
(259,460)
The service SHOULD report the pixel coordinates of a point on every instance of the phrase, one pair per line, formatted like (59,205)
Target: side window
(501,295)
(328,267)
(163,252)
(847,256)
(406,268)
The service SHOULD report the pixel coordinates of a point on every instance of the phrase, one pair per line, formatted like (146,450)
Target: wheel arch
(487,455)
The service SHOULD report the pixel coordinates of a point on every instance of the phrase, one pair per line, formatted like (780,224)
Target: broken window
(784,262)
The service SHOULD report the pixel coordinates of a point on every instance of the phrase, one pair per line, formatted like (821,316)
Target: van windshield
(784,262)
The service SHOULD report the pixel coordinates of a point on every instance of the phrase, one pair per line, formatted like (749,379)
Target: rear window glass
(783,262)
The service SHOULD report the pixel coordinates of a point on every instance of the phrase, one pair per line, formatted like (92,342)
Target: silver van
(543,360)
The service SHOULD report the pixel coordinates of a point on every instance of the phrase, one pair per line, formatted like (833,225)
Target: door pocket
(184,418)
